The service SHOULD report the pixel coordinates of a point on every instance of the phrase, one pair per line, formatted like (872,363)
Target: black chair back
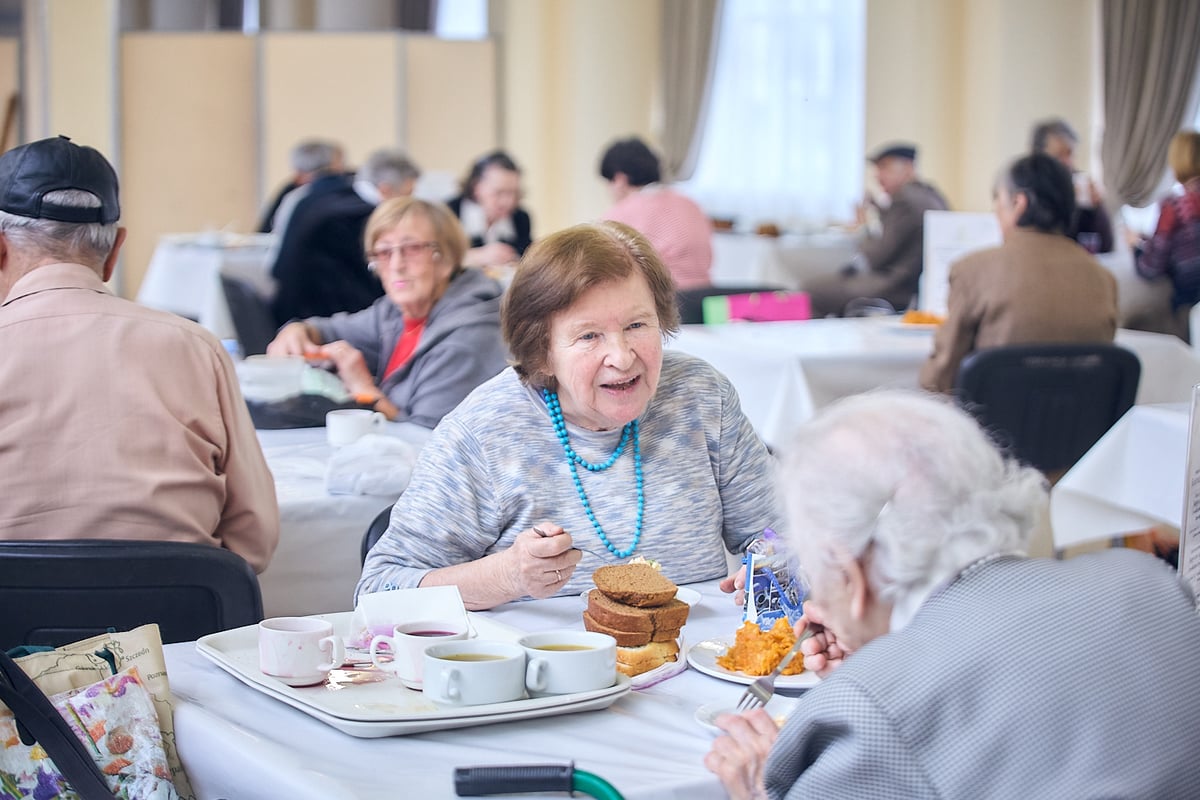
(1048,403)
(251,314)
(691,301)
(373,532)
(61,591)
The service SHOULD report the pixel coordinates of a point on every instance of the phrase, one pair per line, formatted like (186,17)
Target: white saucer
(706,715)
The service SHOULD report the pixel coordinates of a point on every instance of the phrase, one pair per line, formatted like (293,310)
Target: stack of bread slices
(636,605)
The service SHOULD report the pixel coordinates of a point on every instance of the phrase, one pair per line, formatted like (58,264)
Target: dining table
(785,372)
(786,261)
(184,275)
(1133,478)
(317,564)
(238,742)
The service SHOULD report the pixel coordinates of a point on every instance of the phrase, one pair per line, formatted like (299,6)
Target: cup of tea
(348,425)
(407,644)
(565,662)
(299,651)
(474,673)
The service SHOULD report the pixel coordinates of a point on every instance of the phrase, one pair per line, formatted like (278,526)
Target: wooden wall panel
(188,139)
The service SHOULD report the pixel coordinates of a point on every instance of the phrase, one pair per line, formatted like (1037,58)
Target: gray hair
(1051,127)
(910,485)
(389,168)
(89,242)
(314,155)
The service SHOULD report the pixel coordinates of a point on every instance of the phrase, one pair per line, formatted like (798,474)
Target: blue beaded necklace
(630,431)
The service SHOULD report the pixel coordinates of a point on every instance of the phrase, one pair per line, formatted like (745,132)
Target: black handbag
(39,721)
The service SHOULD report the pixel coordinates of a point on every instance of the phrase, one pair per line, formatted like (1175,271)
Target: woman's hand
(350,366)
(540,561)
(496,254)
(294,339)
(735,582)
(738,757)
(822,652)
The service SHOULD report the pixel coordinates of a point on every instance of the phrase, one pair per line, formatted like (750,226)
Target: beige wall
(576,74)
(966,79)
(189,145)
(10,82)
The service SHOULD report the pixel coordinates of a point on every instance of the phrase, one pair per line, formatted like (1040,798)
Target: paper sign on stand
(1189,531)
(950,235)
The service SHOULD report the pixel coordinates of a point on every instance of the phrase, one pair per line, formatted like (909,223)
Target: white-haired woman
(955,666)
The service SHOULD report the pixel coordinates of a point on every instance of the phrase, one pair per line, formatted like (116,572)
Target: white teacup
(474,673)
(565,662)
(299,651)
(407,645)
(348,425)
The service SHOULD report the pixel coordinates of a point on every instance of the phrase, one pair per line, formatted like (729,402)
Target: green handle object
(490,780)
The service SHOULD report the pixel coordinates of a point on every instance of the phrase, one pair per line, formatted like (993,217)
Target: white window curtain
(784,135)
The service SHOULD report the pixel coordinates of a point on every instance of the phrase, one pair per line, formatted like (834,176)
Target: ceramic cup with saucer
(299,651)
(407,646)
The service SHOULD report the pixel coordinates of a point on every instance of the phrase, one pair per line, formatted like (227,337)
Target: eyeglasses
(408,251)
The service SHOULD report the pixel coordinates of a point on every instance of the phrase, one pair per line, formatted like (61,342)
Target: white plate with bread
(703,657)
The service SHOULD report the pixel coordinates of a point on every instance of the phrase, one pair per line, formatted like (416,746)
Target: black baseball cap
(29,172)
(895,150)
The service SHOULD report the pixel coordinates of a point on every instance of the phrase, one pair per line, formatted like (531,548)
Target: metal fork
(758,693)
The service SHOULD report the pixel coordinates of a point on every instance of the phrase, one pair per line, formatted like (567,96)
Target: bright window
(784,135)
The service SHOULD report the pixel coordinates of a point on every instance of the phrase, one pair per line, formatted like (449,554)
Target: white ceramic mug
(474,673)
(299,651)
(348,425)
(565,662)
(407,646)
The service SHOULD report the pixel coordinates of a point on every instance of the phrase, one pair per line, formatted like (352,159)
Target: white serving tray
(386,707)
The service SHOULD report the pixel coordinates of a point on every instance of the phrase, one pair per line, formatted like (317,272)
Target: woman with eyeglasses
(498,228)
(416,352)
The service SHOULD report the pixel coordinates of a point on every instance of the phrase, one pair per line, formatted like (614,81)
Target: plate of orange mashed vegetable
(750,653)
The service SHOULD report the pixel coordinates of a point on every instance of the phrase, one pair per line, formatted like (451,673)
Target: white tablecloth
(238,743)
(316,566)
(184,276)
(785,371)
(746,259)
(1131,479)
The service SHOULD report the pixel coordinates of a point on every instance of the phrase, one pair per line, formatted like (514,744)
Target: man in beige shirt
(116,421)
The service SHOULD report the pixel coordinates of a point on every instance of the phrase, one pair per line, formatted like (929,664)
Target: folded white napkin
(376,464)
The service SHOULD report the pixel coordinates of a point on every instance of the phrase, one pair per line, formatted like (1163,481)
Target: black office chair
(252,318)
(691,301)
(61,591)
(373,532)
(1048,403)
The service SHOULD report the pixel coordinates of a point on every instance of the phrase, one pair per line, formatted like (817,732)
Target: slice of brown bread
(634,584)
(624,617)
(624,638)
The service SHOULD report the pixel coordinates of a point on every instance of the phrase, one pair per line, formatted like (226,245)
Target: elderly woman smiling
(434,335)
(594,447)
(955,666)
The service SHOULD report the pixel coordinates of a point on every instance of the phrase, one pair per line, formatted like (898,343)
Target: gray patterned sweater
(494,467)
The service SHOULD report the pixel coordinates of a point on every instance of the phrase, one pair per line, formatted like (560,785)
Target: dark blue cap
(29,172)
(895,150)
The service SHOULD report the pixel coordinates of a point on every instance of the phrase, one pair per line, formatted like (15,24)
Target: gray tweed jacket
(1021,679)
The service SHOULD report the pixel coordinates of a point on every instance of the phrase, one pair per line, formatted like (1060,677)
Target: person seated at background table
(1092,226)
(434,335)
(310,159)
(1014,293)
(320,268)
(677,228)
(116,421)
(887,266)
(1174,249)
(953,665)
(593,447)
(498,229)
